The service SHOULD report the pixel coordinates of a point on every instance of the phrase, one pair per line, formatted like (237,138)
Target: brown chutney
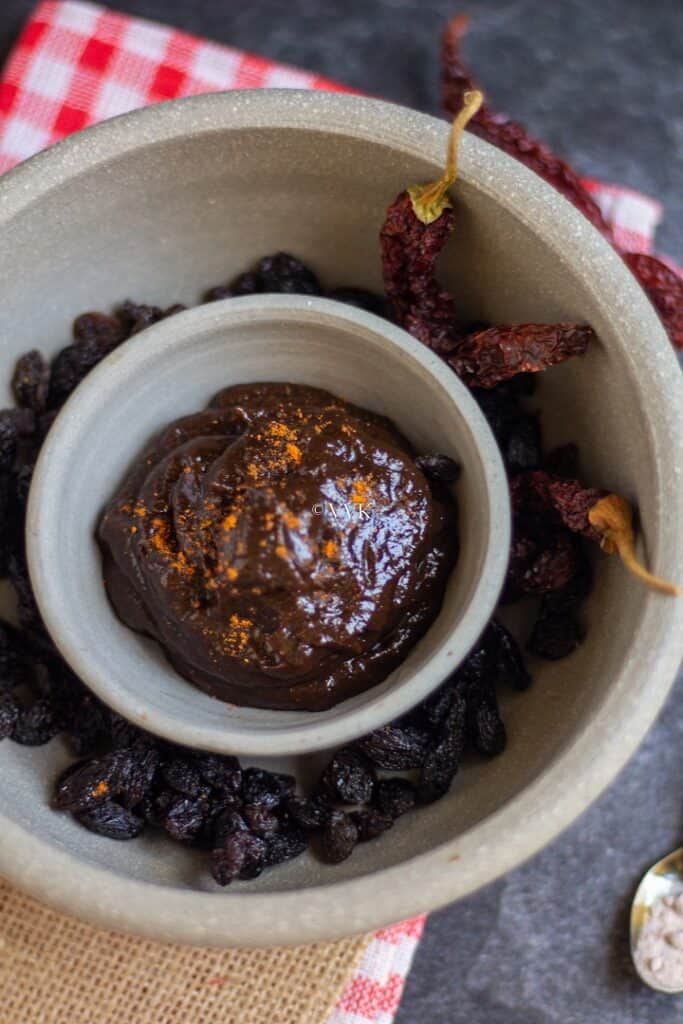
(282,546)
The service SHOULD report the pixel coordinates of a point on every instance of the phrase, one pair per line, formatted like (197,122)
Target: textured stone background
(602,81)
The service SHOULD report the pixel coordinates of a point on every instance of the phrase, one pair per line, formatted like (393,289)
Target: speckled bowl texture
(174,371)
(159,204)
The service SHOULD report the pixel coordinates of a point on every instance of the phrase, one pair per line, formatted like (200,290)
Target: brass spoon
(665,878)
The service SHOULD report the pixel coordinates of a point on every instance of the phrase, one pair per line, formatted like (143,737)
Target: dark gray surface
(602,82)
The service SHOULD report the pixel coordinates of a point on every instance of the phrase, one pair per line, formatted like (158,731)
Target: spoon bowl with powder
(657,925)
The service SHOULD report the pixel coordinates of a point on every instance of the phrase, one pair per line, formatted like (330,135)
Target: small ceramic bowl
(174,370)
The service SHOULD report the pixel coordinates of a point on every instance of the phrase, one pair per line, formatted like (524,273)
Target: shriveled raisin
(240,855)
(111,820)
(338,838)
(71,366)
(84,785)
(284,846)
(349,777)
(245,284)
(227,824)
(395,748)
(310,813)
(183,776)
(266,788)
(517,431)
(135,316)
(554,635)
(103,330)
(31,381)
(223,773)
(371,823)
(261,820)
(137,770)
(443,759)
(183,817)
(394,796)
(485,727)
(36,724)
(509,662)
(283,272)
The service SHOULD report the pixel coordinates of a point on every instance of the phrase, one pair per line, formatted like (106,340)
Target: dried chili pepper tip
(429,201)
(613,519)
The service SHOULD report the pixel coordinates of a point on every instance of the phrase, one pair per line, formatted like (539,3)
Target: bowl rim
(458,866)
(81,415)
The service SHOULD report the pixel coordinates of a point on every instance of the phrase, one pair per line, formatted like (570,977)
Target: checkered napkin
(76,63)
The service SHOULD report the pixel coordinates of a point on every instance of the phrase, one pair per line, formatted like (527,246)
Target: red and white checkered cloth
(76,63)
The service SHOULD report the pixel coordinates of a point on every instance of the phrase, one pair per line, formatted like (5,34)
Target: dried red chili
(417,226)
(664,288)
(595,514)
(508,135)
(489,357)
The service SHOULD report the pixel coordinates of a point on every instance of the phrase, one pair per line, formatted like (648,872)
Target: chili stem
(429,201)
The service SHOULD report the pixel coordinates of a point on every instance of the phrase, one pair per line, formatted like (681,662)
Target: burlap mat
(56,970)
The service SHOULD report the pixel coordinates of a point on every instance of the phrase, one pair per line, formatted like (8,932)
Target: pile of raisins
(249,819)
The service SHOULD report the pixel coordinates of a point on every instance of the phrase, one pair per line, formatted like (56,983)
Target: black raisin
(443,759)
(261,820)
(36,724)
(106,331)
(394,796)
(338,839)
(31,381)
(123,733)
(135,316)
(573,593)
(222,773)
(310,813)
(183,776)
(266,788)
(371,823)
(183,817)
(396,748)
(509,662)
(239,854)
(137,766)
(349,778)
(485,727)
(555,635)
(284,846)
(71,366)
(361,298)
(283,272)
(113,821)
(87,784)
